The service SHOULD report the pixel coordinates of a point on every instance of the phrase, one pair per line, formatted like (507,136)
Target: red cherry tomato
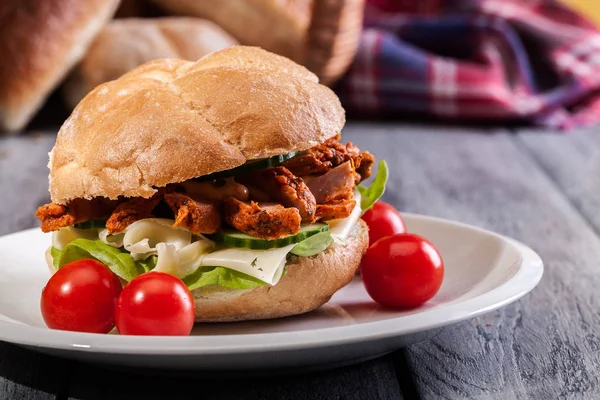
(155,303)
(403,271)
(383,220)
(81,296)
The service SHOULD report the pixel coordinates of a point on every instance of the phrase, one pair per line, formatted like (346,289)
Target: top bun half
(170,120)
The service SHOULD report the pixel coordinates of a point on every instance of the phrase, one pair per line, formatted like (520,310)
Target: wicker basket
(320,34)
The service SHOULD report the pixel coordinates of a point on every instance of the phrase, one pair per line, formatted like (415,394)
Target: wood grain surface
(26,374)
(23,179)
(546,346)
(540,188)
(374,379)
(573,162)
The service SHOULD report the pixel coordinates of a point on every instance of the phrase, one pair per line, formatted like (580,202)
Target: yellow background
(588,8)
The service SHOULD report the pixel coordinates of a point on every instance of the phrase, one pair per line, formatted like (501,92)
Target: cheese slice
(266,265)
(181,262)
(340,228)
(62,237)
(141,237)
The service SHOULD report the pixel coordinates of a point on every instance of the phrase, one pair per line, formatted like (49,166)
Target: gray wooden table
(542,188)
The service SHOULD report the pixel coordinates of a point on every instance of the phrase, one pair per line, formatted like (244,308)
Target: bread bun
(332,38)
(41,41)
(124,44)
(309,283)
(169,120)
(276,26)
(322,35)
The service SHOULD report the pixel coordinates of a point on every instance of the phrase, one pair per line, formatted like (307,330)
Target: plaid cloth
(494,60)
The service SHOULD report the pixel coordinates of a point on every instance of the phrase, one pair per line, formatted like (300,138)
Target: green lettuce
(119,261)
(55,256)
(369,195)
(313,245)
(149,263)
(221,276)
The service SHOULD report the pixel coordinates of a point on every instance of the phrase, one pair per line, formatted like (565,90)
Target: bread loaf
(278,26)
(124,44)
(322,35)
(41,41)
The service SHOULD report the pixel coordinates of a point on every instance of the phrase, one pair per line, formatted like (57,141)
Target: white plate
(483,271)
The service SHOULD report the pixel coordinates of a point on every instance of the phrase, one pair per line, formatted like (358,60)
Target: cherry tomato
(81,296)
(383,220)
(155,303)
(403,270)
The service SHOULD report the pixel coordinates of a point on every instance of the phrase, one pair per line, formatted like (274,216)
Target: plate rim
(529,274)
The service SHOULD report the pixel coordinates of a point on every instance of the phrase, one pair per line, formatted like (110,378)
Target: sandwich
(229,172)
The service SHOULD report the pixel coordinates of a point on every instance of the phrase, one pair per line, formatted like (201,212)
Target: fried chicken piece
(322,157)
(337,184)
(366,163)
(132,210)
(266,221)
(198,217)
(328,155)
(55,216)
(284,187)
(335,210)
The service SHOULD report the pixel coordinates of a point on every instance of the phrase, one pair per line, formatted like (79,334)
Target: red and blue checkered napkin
(494,60)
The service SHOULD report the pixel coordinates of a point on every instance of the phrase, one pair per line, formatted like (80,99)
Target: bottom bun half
(309,283)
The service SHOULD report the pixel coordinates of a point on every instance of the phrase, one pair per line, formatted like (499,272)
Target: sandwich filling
(233,229)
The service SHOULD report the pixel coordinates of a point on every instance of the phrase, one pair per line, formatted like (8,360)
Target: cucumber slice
(239,239)
(247,167)
(91,224)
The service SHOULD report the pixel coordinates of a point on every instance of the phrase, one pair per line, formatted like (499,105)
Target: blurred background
(534,62)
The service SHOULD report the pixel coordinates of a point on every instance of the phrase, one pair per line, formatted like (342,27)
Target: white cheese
(189,258)
(142,237)
(340,228)
(167,261)
(111,240)
(181,262)
(266,265)
(62,237)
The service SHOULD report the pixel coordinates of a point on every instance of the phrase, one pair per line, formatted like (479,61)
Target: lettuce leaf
(221,276)
(149,263)
(313,245)
(369,195)
(55,256)
(119,261)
